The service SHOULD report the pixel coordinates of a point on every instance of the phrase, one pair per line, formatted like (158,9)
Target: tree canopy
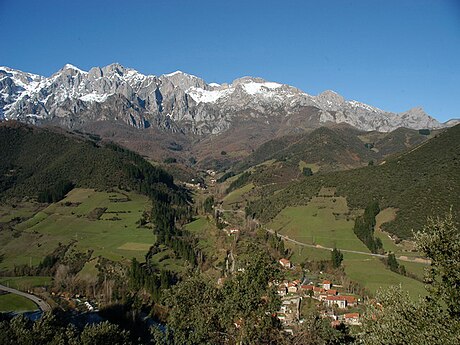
(393,319)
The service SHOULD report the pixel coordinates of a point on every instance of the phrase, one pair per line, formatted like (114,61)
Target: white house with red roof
(285,263)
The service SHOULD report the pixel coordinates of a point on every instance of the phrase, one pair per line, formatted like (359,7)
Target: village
(329,299)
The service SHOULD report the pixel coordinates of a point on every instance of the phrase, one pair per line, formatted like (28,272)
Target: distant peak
(248,79)
(419,108)
(174,73)
(179,73)
(70,66)
(329,93)
(114,67)
(416,110)
(331,96)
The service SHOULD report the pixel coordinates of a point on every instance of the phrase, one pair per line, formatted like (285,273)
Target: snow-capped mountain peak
(178,100)
(69,66)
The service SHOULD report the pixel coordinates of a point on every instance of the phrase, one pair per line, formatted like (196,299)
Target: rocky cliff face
(179,102)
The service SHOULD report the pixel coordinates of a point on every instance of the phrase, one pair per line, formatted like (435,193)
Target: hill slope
(36,159)
(420,183)
(326,149)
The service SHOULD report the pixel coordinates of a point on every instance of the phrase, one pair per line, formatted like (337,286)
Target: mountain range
(180,102)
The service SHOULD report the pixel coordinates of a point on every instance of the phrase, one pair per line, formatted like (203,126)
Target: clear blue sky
(392,54)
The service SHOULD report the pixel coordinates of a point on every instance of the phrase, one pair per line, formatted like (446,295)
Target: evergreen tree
(336,257)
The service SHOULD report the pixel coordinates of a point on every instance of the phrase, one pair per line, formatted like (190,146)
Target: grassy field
(102,221)
(323,221)
(10,302)
(405,248)
(313,166)
(373,274)
(368,271)
(25,210)
(25,283)
(237,195)
(209,240)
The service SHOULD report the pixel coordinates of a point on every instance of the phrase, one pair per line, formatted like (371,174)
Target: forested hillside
(420,183)
(45,163)
(334,148)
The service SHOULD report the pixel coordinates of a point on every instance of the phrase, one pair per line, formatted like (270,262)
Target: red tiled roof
(331,292)
(306,287)
(285,261)
(349,299)
(335,298)
(351,316)
(327,282)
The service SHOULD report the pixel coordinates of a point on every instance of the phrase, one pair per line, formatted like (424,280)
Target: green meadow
(25,283)
(313,166)
(237,195)
(11,302)
(323,221)
(210,239)
(101,221)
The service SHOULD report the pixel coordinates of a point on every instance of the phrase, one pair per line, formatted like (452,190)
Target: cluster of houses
(77,301)
(195,185)
(335,302)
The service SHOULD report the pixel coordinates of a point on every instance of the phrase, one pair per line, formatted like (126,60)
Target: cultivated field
(313,166)
(323,221)
(101,221)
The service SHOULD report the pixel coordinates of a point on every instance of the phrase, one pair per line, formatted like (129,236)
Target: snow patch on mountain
(208,96)
(94,97)
(173,73)
(70,66)
(356,104)
(128,94)
(253,88)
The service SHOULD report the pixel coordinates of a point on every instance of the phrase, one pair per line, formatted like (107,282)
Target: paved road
(37,300)
(317,246)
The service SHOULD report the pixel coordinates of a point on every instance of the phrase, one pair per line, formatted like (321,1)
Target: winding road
(44,306)
(317,246)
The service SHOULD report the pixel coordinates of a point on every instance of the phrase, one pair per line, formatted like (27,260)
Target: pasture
(238,195)
(14,303)
(25,283)
(104,222)
(210,240)
(323,221)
